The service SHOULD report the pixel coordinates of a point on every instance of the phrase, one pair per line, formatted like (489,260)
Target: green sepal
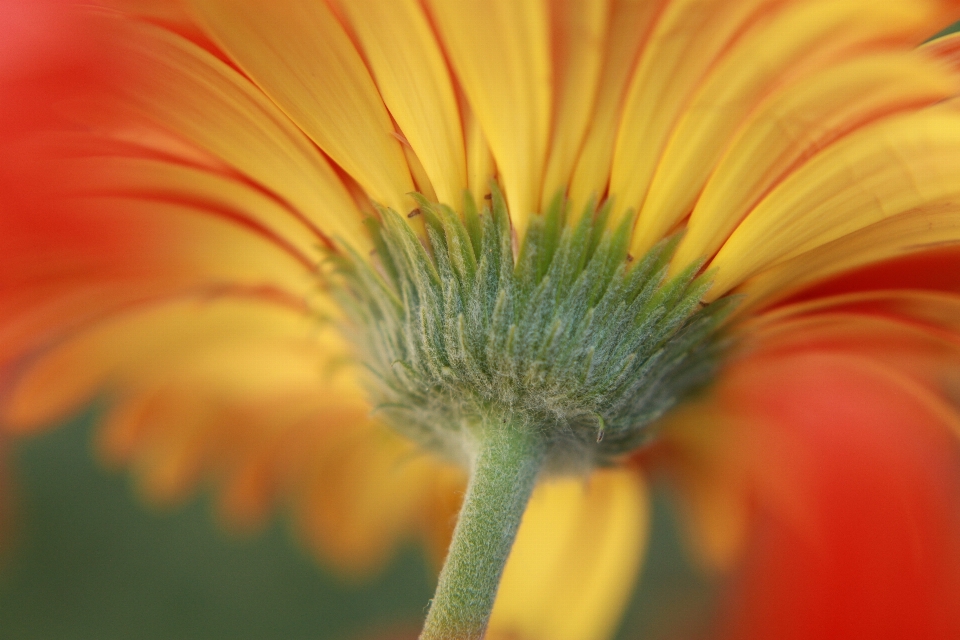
(571,334)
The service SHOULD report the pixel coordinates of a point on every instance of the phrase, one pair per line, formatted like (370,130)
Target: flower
(185,232)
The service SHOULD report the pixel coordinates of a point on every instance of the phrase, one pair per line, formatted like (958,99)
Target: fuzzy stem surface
(502,478)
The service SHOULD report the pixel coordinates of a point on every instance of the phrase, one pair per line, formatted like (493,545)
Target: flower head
(700,201)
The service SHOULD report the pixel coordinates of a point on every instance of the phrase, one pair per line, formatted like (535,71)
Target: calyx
(573,340)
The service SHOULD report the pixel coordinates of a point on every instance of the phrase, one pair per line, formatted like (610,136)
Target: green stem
(502,479)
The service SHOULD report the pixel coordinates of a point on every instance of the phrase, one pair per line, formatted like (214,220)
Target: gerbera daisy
(335,252)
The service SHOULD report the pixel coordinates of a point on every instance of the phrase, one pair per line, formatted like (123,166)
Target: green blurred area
(92,563)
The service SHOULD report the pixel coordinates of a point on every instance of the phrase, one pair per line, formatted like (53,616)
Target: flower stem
(502,479)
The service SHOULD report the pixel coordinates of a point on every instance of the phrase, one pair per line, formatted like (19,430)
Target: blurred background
(85,559)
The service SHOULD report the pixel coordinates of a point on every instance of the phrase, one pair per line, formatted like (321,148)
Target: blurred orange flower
(173,176)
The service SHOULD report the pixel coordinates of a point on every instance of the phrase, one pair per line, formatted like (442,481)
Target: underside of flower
(575,340)
(160,244)
(555,360)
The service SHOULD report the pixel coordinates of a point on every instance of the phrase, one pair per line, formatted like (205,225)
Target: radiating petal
(95,256)
(131,346)
(181,89)
(181,184)
(578,29)
(164,11)
(301,57)
(412,76)
(930,270)
(688,38)
(203,419)
(576,556)
(788,44)
(912,232)
(713,446)
(170,14)
(891,332)
(198,413)
(480,166)
(878,172)
(197,245)
(630,24)
(225,390)
(504,70)
(937,311)
(795,123)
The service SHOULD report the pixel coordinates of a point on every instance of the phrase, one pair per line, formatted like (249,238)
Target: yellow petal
(197,246)
(575,560)
(579,29)
(500,52)
(687,40)
(301,57)
(794,41)
(880,171)
(799,121)
(630,24)
(137,344)
(480,166)
(204,417)
(419,173)
(412,76)
(917,230)
(183,90)
(222,195)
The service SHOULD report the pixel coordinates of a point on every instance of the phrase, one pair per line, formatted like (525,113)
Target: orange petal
(68,268)
(705,469)
(302,58)
(256,438)
(361,496)
(946,48)
(135,345)
(177,183)
(181,89)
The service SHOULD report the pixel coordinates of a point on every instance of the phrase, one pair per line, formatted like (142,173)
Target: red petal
(934,270)
(858,501)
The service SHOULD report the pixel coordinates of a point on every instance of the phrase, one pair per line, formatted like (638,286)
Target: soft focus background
(88,561)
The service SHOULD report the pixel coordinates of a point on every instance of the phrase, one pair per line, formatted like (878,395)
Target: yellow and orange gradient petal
(166,250)
(823,471)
